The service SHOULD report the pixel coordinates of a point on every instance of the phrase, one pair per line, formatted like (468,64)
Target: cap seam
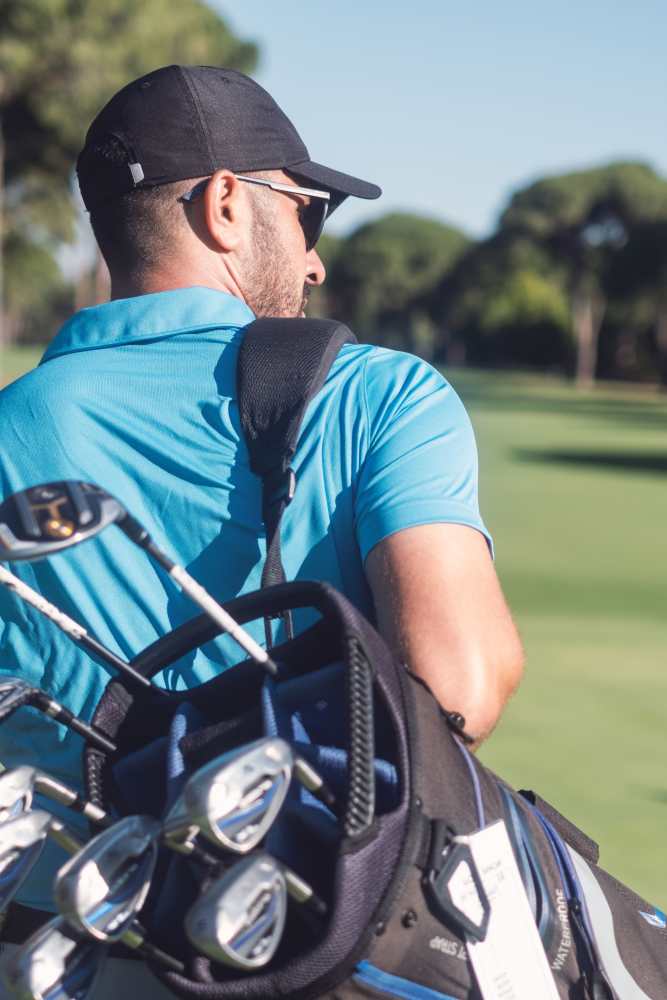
(202,124)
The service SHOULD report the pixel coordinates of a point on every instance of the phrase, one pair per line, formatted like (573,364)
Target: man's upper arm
(440,607)
(427,552)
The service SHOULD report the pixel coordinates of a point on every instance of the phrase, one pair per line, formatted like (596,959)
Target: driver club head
(21,843)
(240,918)
(54,964)
(101,889)
(234,799)
(44,519)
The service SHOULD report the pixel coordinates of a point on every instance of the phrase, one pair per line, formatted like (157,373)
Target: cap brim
(334,180)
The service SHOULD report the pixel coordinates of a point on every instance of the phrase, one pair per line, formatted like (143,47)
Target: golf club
(15,693)
(100,890)
(240,919)
(76,632)
(39,521)
(53,964)
(19,784)
(234,799)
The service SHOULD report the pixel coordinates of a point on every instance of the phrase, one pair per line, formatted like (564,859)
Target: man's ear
(226,210)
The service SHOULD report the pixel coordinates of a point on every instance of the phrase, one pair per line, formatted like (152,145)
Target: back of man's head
(161,133)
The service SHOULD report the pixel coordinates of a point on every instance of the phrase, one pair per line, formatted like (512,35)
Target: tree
(639,281)
(504,303)
(381,278)
(583,219)
(60,60)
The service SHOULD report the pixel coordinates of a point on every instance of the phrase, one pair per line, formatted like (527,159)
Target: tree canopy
(60,61)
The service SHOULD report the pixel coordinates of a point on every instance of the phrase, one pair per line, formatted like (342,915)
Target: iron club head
(240,919)
(21,843)
(101,889)
(234,799)
(54,964)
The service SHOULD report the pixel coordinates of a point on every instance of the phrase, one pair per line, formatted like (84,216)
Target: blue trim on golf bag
(395,986)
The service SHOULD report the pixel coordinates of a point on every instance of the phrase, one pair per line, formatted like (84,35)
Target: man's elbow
(494,681)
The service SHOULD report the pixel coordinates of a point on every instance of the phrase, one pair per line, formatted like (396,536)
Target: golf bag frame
(408,785)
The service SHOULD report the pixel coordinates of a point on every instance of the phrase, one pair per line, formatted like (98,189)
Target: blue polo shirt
(138,395)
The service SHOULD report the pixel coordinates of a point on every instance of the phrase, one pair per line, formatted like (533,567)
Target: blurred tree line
(574,279)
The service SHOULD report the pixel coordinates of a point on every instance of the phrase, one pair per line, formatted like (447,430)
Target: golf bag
(405,783)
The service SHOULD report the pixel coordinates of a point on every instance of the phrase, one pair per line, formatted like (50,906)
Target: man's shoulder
(46,393)
(384,364)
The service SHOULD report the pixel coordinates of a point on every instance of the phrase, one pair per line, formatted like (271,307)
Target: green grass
(14,361)
(573,490)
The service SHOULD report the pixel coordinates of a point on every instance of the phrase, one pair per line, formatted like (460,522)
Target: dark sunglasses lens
(313,219)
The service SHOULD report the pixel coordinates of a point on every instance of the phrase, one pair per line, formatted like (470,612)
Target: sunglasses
(311,216)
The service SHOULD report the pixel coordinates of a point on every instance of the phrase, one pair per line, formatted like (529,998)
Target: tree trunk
(588,308)
(661,337)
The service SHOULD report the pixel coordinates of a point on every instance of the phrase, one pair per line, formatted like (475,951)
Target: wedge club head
(101,889)
(235,798)
(240,919)
(53,964)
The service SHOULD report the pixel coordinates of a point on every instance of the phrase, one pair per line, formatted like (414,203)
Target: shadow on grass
(651,413)
(623,461)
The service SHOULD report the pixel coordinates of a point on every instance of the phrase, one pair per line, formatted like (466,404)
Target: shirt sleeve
(421,463)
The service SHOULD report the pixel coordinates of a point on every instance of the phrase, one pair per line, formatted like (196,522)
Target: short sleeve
(421,463)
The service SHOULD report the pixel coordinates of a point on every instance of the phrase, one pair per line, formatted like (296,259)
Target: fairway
(573,490)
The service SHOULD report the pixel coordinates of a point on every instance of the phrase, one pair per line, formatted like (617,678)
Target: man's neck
(129,286)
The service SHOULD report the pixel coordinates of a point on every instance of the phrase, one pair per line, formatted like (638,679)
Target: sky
(451,106)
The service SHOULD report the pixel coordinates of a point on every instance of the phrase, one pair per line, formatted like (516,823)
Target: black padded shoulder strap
(282,365)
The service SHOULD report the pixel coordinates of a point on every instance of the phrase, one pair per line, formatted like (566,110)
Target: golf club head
(45,519)
(53,964)
(21,843)
(234,799)
(17,787)
(240,919)
(101,889)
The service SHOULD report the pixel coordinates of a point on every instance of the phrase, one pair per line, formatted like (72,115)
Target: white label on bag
(510,964)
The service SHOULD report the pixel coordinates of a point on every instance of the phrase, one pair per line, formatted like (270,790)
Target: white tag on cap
(510,963)
(137,172)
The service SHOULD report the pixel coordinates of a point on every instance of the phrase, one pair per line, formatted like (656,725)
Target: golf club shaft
(62,793)
(314,782)
(74,630)
(63,715)
(302,892)
(138,534)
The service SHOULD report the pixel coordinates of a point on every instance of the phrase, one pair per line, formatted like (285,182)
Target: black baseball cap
(180,122)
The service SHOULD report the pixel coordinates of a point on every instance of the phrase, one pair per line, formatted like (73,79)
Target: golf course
(572,489)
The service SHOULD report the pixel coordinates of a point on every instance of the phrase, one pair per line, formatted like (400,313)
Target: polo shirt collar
(151,317)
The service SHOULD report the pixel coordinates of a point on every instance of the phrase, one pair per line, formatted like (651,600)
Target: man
(207,208)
